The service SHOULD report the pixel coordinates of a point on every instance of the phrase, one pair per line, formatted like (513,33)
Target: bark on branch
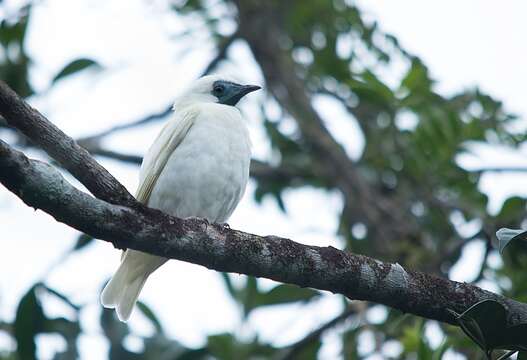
(42,186)
(62,148)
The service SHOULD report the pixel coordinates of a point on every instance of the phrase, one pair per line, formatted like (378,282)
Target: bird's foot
(225,225)
(198,219)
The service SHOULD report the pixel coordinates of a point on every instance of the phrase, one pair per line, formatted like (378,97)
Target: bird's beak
(239,92)
(245,89)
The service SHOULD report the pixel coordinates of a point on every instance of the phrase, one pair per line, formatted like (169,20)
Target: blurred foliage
(413,137)
(486,324)
(76,66)
(14,62)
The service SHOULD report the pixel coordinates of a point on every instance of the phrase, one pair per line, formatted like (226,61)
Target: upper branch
(216,247)
(62,148)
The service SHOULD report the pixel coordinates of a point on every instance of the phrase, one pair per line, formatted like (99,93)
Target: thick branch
(358,277)
(61,147)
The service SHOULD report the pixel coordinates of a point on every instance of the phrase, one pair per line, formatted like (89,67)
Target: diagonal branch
(61,147)
(193,240)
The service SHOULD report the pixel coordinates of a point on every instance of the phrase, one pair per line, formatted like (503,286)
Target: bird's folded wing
(166,142)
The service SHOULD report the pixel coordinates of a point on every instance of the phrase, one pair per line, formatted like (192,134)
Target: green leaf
(250,295)
(440,351)
(145,309)
(28,323)
(70,331)
(310,351)
(82,241)
(417,78)
(15,32)
(486,324)
(76,66)
(61,296)
(235,293)
(114,329)
(412,337)
(222,346)
(512,209)
(505,236)
(194,354)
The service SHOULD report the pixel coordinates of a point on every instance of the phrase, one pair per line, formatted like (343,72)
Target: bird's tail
(123,289)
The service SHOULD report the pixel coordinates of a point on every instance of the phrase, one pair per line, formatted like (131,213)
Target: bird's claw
(198,219)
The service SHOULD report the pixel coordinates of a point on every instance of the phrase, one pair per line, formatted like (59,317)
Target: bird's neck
(192,99)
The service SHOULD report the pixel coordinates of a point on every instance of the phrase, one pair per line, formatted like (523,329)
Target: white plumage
(198,166)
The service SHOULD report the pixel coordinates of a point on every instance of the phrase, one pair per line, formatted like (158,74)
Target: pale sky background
(465,44)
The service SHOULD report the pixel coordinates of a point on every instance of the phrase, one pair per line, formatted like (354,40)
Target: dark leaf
(76,66)
(250,295)
(222,346)
(230,286)
(309,351)
(28,323)
(505,236)
(486,324)
(512,209)
(194,354)
(62,297)
(82,241)
(114,329)
(145,309)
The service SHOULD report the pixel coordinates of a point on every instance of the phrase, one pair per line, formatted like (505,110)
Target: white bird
(198,166)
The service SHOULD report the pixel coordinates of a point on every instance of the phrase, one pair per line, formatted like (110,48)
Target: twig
(128,158)
(95,138)
(507,355)
(221,55)
(292,351)
(499,169)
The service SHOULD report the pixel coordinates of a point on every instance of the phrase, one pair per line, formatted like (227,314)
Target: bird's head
(215,89)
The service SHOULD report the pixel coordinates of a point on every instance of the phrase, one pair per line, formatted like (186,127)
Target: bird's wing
(157,156)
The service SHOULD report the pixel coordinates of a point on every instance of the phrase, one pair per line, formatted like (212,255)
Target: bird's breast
(207,173)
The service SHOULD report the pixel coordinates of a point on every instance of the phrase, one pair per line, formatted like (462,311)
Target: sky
(143,70)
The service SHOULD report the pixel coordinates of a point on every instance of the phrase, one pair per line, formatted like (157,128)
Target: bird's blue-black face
(229,93)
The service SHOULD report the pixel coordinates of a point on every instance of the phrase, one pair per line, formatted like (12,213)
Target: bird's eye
(219,89)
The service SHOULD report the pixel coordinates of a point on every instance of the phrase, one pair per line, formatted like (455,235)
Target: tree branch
(194,240)
(95,139)
(62,148)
